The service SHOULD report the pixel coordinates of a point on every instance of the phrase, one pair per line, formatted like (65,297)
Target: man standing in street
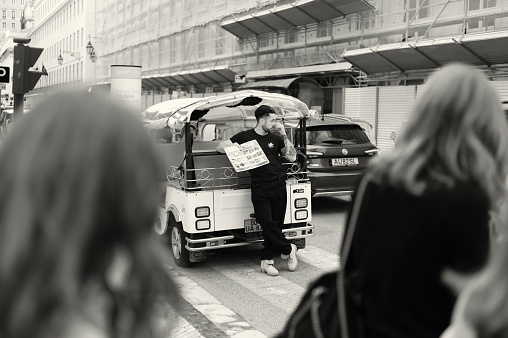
(268,186)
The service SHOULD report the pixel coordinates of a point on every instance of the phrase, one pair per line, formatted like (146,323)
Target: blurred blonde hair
(77,182)
(456,131)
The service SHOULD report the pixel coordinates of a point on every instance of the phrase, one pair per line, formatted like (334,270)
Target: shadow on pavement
(331,204)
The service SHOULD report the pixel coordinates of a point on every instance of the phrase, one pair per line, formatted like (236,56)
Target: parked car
(206,204)
(338,151)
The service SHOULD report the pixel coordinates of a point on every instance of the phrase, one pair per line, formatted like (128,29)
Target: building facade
(12,16)
(204,47)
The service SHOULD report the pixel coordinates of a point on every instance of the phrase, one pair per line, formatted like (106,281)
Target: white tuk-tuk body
(207,204)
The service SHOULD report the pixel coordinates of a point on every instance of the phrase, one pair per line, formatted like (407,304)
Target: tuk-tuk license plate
(251,226)
(344,162)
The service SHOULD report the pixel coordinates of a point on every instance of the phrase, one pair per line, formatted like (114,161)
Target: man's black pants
(269,200)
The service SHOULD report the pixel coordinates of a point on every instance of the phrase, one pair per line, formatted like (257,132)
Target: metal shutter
(393,110)
(361,103)
(420,89)
(502,89)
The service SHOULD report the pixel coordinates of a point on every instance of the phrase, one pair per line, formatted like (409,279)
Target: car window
(336,134)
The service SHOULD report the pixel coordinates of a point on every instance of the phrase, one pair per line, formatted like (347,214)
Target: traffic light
(24,79)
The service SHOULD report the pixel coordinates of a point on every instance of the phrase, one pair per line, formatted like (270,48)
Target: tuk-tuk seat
(205,145)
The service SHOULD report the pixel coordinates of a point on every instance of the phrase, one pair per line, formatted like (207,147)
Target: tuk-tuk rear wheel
(177,243)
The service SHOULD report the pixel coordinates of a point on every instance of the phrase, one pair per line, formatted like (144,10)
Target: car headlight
(202,212)
(301,203)
(203,224)
(301,215)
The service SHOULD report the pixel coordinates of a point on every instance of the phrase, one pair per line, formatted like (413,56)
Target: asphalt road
(233,276)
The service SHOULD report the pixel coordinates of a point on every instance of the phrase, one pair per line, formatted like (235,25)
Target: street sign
(4,74)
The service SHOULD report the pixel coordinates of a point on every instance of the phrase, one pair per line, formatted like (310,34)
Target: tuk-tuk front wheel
(177,242)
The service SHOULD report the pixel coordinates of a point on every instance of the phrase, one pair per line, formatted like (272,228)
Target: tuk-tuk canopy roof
(239,105)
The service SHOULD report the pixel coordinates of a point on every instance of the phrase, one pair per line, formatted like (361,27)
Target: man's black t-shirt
(271,145)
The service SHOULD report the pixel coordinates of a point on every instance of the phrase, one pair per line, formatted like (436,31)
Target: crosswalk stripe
(247,274)
(213,309)
(319,258)
(275,290)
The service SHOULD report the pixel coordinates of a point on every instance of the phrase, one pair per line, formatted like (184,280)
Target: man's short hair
(263,111)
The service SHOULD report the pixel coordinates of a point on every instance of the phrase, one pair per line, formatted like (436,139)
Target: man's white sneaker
(292,260)
(268,268)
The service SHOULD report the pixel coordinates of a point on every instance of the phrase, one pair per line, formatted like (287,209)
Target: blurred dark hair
(263,111)
(77,182)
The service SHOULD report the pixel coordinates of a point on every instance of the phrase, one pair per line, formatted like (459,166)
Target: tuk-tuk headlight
(301,215)
(203,224)
(202,212)
(301,203)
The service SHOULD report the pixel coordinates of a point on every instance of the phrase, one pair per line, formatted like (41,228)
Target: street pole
(18,106)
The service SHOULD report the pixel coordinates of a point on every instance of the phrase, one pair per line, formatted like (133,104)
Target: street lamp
(60,58)
(89,47)
(90,50)
(93,57)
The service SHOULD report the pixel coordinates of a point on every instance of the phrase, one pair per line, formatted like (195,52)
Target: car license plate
(251,226)
(344,162)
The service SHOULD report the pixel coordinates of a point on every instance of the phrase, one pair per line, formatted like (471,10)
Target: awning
(485,49)
(306,70)
(291,15)
(205,76)
(280,83)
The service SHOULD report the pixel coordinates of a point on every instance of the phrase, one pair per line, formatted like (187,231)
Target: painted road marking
(248,275)
(224,318)
(319,258)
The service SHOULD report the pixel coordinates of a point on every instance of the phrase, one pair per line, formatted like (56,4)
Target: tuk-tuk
(207,204)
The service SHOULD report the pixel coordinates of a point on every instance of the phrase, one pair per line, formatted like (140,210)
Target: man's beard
(266,129)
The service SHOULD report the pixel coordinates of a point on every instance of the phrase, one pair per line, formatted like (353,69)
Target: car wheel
(177,243)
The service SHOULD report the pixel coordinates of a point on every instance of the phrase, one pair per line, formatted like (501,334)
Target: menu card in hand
(246,156)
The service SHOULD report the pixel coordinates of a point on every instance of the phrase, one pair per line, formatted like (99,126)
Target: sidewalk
(202,315)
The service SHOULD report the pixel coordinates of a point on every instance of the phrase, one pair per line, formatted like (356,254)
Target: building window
(412,8)
(202,41)
(4,2)
(479,4)
(172,49)
(13,14)
(290,35)
(219,42)
(4,25)
(263,41)
(4,14)
(13,2)
(324,29)
(13,25)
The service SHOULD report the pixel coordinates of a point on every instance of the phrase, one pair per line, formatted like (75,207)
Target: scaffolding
(175,36)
